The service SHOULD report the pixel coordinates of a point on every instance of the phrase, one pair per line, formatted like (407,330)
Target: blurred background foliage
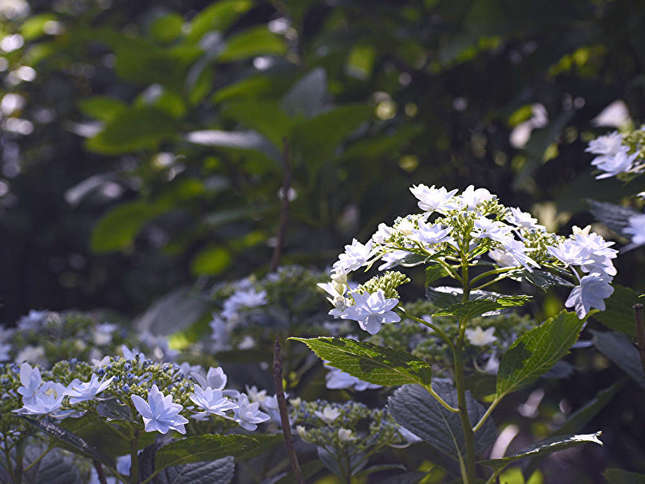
(144,144)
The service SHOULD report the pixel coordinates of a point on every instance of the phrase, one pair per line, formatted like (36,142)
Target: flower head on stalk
(471,230)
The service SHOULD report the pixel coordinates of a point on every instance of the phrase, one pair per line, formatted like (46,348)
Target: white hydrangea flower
(371,311)
(522,219)
(32,354)
(431,234)
(47,399)
(211,402)
(480,337)
(159,413)
(83,391)
(492,229)
(434,199)
(328,414)
(591,293)
(472,197)
(614,157)
(215,378)
(248,415)
(345,435)
(243,298)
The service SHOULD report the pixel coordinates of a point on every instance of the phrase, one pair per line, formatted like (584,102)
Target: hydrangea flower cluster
(349,427)
(249,309)
(618,153)
(623,155)
(162,396)
(470,228)
(44,337)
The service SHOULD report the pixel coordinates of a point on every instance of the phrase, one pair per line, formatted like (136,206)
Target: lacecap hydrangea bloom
(472,228)
(618,153)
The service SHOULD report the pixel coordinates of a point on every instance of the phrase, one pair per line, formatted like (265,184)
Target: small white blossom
(211,402)
(31,381)
(215,378)
(480,337)
(392,259)
(372,310)
(355,256)
(569,253)
(248,415)
(159,413)
(247,298)
(491,229)
(47,399)
(431,234)
(434,199)
(32,321)
(345,435)
(472,197)
(522,219)
(591,293)
(220,334)
(328,414)
(82,392)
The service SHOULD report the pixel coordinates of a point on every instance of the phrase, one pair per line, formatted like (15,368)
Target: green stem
(441,401)
(494,272)
(484,417)
(134,457)
(30,466)
(469,436)
(7,454)
(493,281)
(20,453)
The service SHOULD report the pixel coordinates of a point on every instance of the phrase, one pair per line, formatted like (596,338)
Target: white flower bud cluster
(456,229)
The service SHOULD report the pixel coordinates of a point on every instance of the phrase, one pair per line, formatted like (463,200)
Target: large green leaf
(416,410)
(266,117)
(546,447)
(315,140)
(620,476)
(117,229)
(535,352)
(218,17)
(208,447)
(103,108)
(136,128)
(619,314)
(371,363)
(619,349)
(308,96)
(254,41)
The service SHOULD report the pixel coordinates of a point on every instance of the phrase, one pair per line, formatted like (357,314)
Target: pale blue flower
(372,310)
(47,399)
(212,402)
(338,380)
(83,391)
(215,378)
(591,293)
(31,381)
(248,415)
(159,413)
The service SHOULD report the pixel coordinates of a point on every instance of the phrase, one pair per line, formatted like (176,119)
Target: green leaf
(619,349)
(250,88)
(619,314)
(307,97)
(211,261)
(57,468)
(535,352)
(67,439)
(220,471)
(370,363)
(315,140)
(433,273)
(266,117)
(476,307)
(34,26)
(620,476)
(543,280)
(416,410)
(103,108)
(209,447)
(166,28)
(249,43)
(218,17)
(546,447)
(117,229)
(137,128)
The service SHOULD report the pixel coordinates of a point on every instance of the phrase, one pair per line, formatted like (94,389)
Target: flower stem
(134,457)
(484,417)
